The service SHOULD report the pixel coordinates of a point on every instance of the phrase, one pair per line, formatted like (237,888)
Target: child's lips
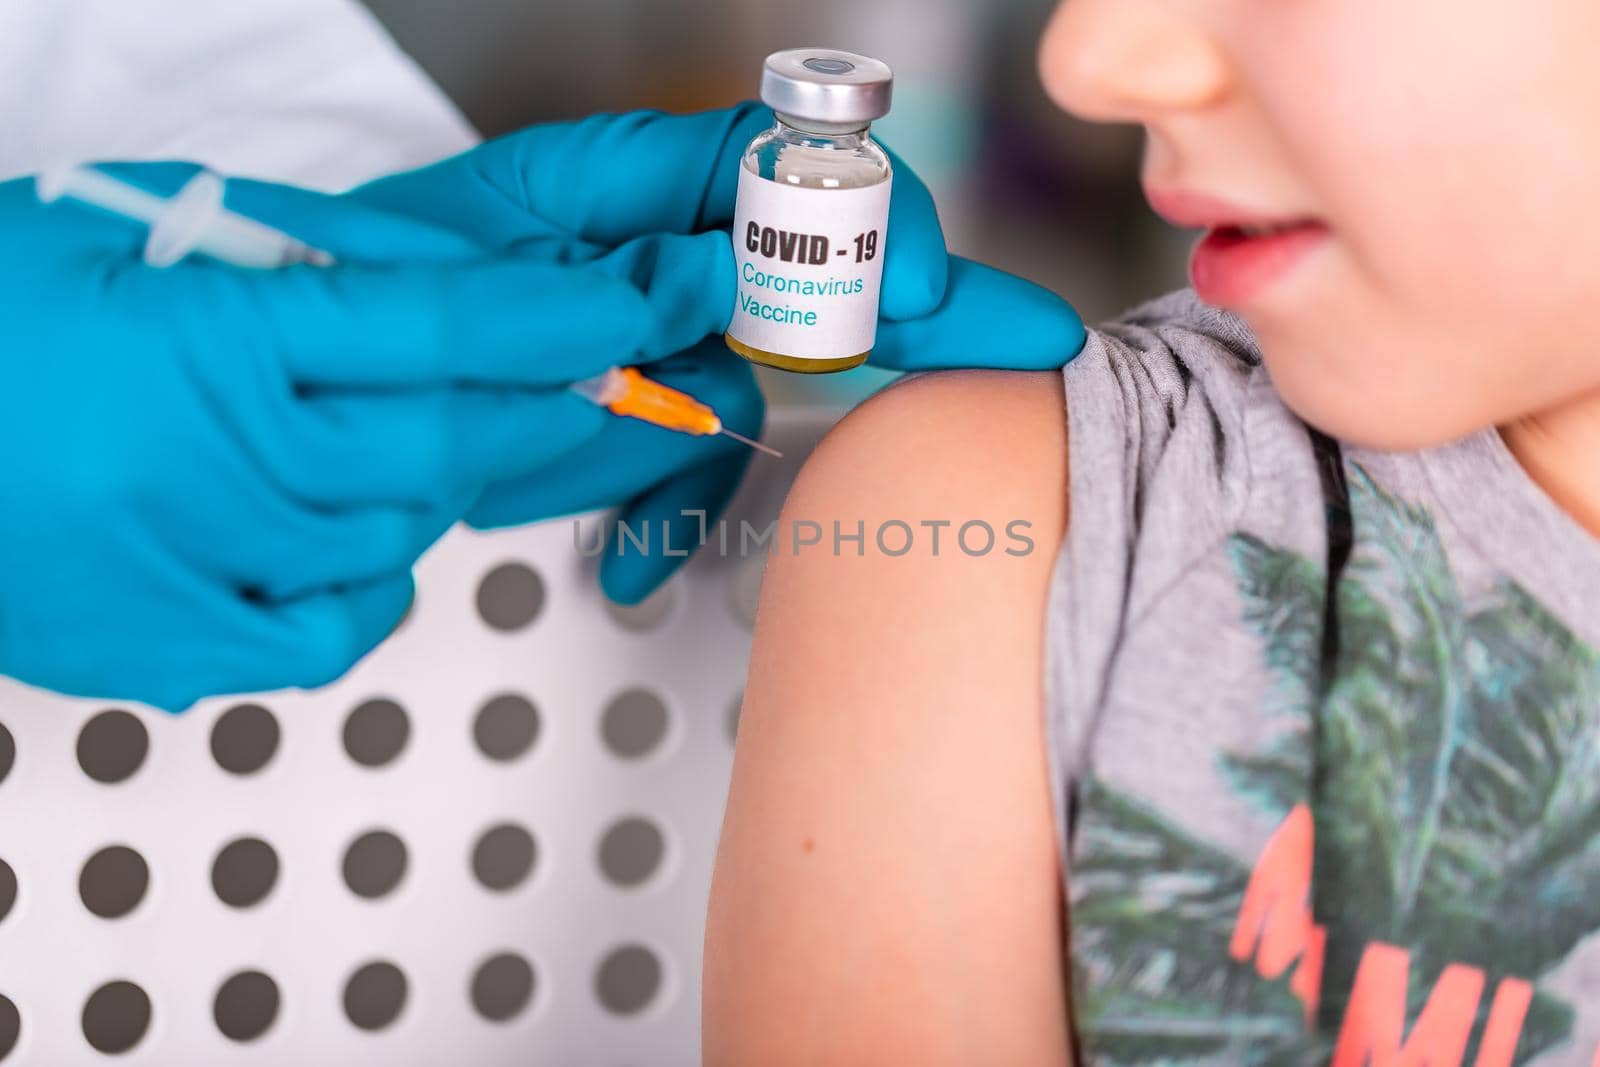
(1232,265)
(1243,251)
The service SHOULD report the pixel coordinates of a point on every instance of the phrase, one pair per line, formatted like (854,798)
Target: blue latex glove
(217,480)
(571,192)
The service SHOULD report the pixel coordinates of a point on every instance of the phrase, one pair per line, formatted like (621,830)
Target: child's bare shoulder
(890,747)
(943,441)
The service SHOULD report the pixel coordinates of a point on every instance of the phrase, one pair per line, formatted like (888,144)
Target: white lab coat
(307,91)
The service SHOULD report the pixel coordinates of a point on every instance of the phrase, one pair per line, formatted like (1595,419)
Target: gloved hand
(217,480)
(571,192)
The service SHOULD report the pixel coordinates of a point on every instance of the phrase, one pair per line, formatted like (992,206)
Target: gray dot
(8,752)
(631,851)
(375,995)
(116,1016)
(510,596)
(112,745)
(244,739)
(10,1026)
(506,727)
(244,872)
(634,723)
(8,888)
(648,613)
(113,881)
(829,66)
(375,732)
(744,591)
(628,980)
(503,856)
(246,1006)
(502,987)
(734,711)
(374,864)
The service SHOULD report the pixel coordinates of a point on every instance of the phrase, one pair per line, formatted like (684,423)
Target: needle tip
(757,445)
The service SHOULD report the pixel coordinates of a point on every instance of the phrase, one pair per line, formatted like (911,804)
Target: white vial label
(810,265)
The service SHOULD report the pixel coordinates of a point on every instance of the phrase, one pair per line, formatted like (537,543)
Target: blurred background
(1019,184)
(492,842)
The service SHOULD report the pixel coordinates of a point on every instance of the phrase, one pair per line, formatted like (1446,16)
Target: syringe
(624,391)
(195,220)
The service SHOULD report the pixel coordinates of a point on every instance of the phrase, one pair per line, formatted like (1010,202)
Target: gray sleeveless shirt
(1324,729)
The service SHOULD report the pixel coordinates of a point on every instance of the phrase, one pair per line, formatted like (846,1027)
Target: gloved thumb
(988,318)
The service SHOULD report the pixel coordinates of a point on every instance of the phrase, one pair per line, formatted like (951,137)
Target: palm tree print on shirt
(1446,762)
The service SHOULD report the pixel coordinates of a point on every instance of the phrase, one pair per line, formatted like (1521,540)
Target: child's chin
(1384,423)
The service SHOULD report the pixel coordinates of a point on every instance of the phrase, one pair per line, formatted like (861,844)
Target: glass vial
(812,215)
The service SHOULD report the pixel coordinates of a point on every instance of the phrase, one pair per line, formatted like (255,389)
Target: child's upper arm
(887,888)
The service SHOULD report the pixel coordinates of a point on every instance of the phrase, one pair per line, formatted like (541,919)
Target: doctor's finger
(493,322)
(419,449)
(624,460)
(347,228)
(682,175)
(314,548)
(317,638)
(987,319)
(916,265)
(599,181)
(683,510)
(254,645)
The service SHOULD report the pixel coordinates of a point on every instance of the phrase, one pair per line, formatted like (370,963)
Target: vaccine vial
(812,215)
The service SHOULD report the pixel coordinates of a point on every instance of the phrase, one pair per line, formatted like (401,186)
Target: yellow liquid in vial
(796,364)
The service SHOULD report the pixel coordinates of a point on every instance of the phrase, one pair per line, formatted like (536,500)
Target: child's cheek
(1374,108)
(1454,155)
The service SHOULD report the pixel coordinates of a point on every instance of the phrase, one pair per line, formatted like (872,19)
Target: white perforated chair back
(491,843)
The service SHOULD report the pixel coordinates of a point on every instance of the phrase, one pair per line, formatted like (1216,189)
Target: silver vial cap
(827,86)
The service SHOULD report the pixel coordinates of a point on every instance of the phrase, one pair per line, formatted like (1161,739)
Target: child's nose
(1131,60)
